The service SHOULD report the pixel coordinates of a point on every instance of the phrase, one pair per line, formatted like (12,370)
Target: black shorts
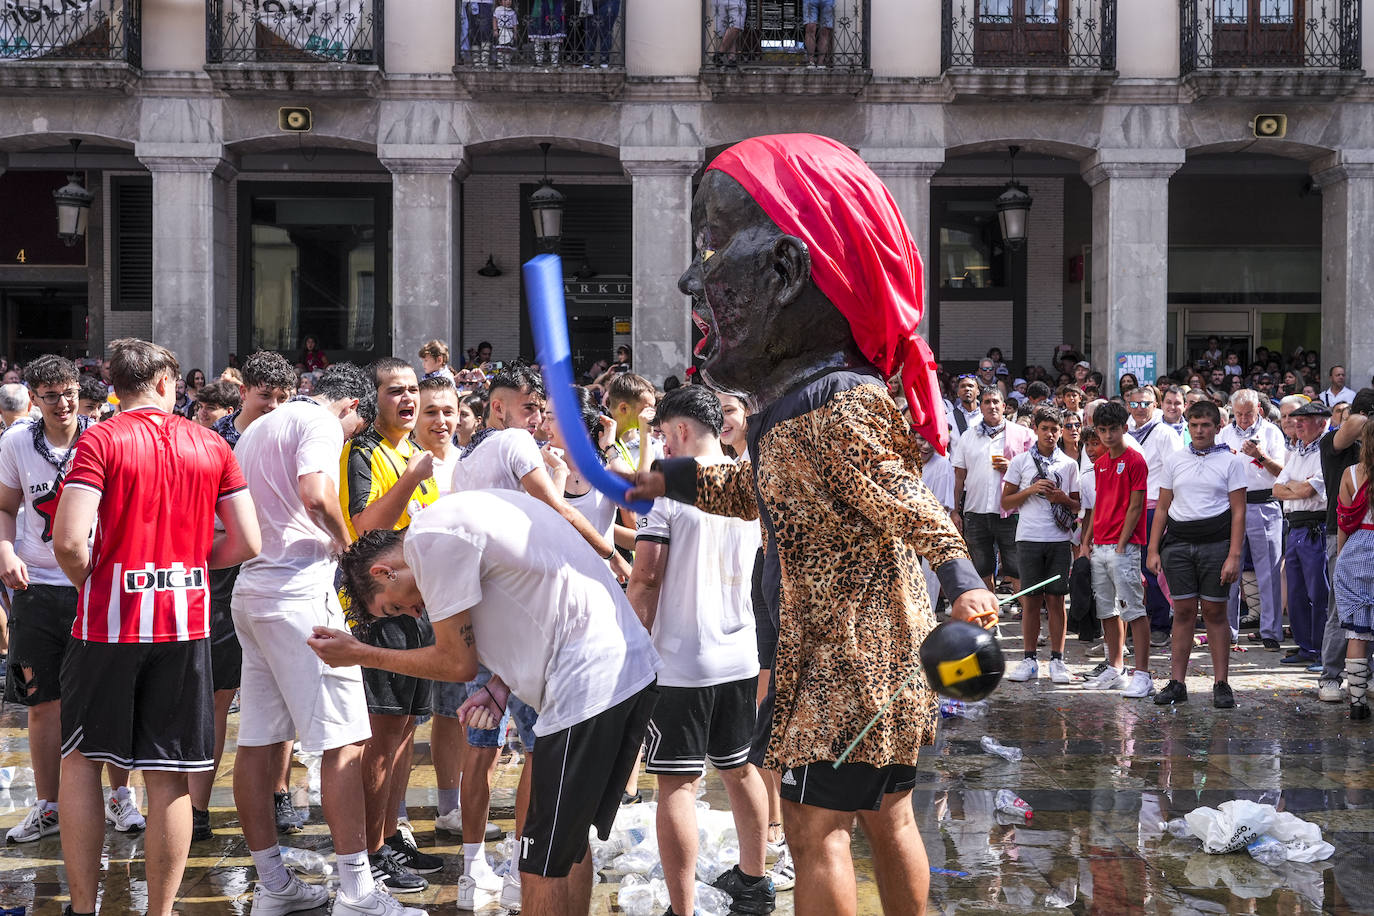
(388,693)
(1194,570)
(579,775)
(763,726)
(41,619)
(692,725)
(226,655)
(141,706)
(765,625)
(1038,560)
(853,787)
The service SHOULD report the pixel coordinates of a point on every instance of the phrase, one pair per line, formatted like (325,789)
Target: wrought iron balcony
(294,32)
(542,47)
(83,31)
(789,46)
(1061,34)
(1312,34)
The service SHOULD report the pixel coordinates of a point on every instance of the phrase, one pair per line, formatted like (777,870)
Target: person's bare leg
(379,759)
(522,795)
(676,820)
(823,47)
(1114,639)
(1030,622)
(202,783)
(749,806)
(899,856)
(1140,633)
(255,780)
(475,791)
(570,896)
(168,839)
(1181,638)
(819,840)
(118,776)
(632,781)
(282,767)
(809,41)
(401,765)
(447,748)
(83,828)
(1059,622)
(1218,637)
(771,779)
(730,42)
(45,747)
(341,794)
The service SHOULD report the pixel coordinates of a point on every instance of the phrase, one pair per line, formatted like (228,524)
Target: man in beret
(807,287)
(1302,490)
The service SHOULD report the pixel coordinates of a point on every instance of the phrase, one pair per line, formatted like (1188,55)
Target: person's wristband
(494,700)
(611,554)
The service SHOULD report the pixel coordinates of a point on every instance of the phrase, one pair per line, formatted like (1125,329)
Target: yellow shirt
(369,467)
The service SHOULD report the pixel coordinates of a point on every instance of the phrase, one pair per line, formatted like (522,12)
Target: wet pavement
(1102,774)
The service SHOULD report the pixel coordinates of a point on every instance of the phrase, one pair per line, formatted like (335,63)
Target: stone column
(425,234)
(1130,250)
(907,174)
(191,262)
(662,321)
(1346,180)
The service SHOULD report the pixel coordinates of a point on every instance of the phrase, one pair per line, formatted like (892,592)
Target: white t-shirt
(23,469)
(983,482)
(704,630)
(1305,469)
(1271,443)
(1087,497)
(597,508)
(499,462)
(938,476)
(547,614)
(443,471)
(298,438)
(1160,441)
(1037,514)
(1201,484)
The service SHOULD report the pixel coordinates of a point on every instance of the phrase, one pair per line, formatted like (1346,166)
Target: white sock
(122,793)
(272,874)
(355,875)
(470,852)
(1357,677)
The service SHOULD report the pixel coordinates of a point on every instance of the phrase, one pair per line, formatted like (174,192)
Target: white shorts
(729,14)
(286,691)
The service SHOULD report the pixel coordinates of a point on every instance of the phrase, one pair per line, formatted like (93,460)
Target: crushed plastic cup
(1177,827)
(993,746)
(15,777)
(712,901)
(635,899)
(306,862)
(1267,850)
(1011,806)
(962,709)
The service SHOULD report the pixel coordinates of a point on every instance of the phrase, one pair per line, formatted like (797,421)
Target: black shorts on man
(226,655)
(390,694)
(1039,560)
(140,706)
(692,726)
(41,618)
(851,787)
(579,777)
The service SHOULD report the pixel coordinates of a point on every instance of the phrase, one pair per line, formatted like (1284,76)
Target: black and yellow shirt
(369,467)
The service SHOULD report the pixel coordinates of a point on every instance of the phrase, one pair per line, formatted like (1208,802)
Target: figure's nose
(690,281)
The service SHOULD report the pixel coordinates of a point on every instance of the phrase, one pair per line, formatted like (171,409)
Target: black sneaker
(200,826)
(390,874)
(627,799)
(405,852)
(287,819)
(1271,644)
(758,897)
(1359,711)
(1173,692)
(1097,670)
(1222,697)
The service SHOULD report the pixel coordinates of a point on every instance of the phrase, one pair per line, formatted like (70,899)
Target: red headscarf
(862,256)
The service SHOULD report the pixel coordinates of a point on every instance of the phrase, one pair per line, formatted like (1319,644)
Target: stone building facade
(1166,208)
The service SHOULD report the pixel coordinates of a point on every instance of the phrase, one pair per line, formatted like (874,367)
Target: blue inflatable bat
(549,317)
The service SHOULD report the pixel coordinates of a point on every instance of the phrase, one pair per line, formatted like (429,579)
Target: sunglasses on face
(960,378)
(1139,404)
(1073,425)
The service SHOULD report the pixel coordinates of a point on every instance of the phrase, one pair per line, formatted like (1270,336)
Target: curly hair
(49,370)
(269,369)
(355,570)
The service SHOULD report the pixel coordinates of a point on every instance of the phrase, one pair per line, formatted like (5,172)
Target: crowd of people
(1226,496)
(325,547)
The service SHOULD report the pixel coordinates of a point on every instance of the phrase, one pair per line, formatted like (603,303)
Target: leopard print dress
(836,479)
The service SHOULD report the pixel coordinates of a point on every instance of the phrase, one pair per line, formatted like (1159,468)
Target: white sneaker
(772,851)
(1140,685)
(377,903)
(453,823)
(1330,691)
(484,875)
(120,811)
(510,893)
(783,873)
(467,894)
(406,831)
(1059,672)
(1110,679)
(1026,669)
(296,897)
(41,821)
(1097,650)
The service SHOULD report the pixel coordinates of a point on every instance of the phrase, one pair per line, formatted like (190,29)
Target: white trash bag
(1234,826)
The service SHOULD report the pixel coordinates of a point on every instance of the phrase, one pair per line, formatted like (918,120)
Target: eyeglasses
(986,368)
(1073,425)
(1139,404)
(51,399)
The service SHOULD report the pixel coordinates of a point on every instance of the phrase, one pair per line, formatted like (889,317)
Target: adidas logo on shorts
(788,779)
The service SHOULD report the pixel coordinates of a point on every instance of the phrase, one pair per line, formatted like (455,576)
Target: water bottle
(962,709)
(1178,827)
(306,862)
(1008,804)
(992,746)
(712,901)
(1267,850)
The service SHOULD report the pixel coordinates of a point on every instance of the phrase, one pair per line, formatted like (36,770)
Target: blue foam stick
(549,317)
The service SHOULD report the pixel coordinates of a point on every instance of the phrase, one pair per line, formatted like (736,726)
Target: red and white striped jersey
(159,477)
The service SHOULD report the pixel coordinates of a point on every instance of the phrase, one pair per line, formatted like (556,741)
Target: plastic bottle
(961,709)
(712,901)
(16,777)
(1178,827)
(306,862)
(622,841)
(1009,804)
(992,746)
(635,898)
(1267,850)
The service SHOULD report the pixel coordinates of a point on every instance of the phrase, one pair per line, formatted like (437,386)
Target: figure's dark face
(731,304)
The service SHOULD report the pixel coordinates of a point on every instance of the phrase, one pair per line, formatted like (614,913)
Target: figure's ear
(791,267)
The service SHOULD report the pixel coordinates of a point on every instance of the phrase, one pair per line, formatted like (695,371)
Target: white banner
(325,28)
(34,28)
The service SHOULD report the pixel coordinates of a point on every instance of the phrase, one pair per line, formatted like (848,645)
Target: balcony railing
(810,34)
(75,30)
(294,31)
(542,34)
(1274,34)
(1066,34)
